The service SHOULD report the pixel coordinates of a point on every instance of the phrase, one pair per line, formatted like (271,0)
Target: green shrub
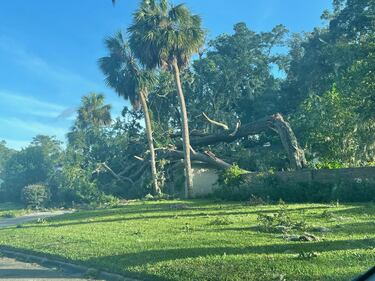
(232,176)
(270,188)
(8,215)
(330,165)
(77,187)
(28,166)
(35,196)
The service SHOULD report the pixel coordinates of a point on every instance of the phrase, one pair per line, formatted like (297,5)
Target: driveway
(6,222)
(13,270)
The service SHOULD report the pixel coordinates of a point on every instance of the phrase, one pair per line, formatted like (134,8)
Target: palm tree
(125,75)
(92,115)
(93,112)
(166,36)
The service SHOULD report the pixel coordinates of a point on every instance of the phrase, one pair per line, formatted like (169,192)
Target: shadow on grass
(122,263)
(172,206)
(154,256)
(124,219)
(362,209)
(141,209)
(366,227)
(78,219)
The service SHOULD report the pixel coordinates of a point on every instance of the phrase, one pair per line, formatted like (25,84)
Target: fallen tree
(275,122)
(136,171)
(206,157)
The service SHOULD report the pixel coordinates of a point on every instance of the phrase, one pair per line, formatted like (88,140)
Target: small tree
(35,196)
(26,167)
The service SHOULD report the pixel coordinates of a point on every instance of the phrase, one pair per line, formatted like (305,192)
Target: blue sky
(49,51)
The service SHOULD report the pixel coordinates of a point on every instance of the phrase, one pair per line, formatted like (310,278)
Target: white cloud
(21,113)
(29,105)
(38,66)
(33,127)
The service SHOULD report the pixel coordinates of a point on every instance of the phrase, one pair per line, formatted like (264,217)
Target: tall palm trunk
(185,133)
(150,140)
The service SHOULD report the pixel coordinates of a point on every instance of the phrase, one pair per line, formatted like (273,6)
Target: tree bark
(117,176)
(275,122)
(295,153)
(150,140)
(185,132)
(134,174)
(206,157)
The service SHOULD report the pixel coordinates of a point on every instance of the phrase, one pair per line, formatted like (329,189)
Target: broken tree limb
(140,171)
(135,172)
(295,153)
(206,157)
(138,158)
(128,169)
(243,131)
(222,125)
(238,125)
(192,133)
(275,122)
(117,176)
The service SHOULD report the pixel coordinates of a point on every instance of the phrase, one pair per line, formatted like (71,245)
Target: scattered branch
(222,125)
(238,125)
(118,177)
(206,157)
(138,158)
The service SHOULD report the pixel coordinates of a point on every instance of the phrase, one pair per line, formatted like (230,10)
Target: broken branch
(222,125)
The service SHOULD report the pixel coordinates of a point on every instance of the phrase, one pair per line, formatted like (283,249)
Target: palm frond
(161,32)
(122,70)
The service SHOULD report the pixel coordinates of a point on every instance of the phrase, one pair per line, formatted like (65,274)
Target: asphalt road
(13,270)
(6,222)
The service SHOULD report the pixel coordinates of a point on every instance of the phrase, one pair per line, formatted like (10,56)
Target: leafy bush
(25,167)
(232,176)
(74,185)
(8,215)
(330,165)
(35,196)
(270,188)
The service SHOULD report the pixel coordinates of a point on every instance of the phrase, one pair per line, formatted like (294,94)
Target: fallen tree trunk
(206,157)
(170,154)
(275,122)
(119,176)
(295,153)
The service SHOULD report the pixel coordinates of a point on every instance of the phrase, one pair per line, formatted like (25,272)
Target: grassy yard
(202,240)
(11,210)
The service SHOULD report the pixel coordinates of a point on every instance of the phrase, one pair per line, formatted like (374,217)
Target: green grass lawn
(11,210)
(202,240)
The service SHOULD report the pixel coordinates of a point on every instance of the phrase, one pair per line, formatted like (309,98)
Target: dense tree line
(322,82)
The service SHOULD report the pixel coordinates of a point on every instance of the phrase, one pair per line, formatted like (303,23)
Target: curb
(47,262)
